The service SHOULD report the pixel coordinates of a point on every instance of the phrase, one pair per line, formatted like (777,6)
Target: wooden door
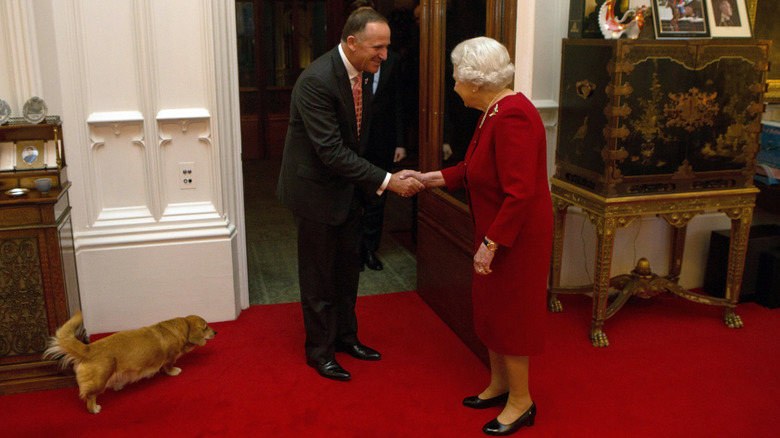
(277,39)
(445,235)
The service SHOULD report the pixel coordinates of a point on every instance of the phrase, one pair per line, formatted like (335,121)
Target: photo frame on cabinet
(584,16)
(729,19)
(30,154)
(583,19)
(680,19)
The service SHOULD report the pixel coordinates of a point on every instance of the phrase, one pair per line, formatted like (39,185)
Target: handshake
(410,182)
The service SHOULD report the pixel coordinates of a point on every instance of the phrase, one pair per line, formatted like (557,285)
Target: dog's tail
(65,346)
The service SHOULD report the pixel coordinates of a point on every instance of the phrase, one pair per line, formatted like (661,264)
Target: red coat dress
(505,175)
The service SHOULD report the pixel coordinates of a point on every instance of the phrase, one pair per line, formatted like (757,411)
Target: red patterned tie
(357,96)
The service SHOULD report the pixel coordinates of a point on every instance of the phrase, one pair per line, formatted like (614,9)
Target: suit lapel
(345,89)
(382,77)
(371,77)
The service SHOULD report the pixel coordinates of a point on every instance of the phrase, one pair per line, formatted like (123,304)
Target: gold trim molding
(608,214)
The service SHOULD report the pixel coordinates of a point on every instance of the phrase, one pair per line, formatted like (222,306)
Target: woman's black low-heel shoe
(477,403)
(494,427)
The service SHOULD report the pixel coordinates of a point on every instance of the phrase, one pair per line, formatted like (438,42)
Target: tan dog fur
(127,356)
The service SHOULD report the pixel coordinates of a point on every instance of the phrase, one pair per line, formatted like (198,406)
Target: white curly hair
(483,62)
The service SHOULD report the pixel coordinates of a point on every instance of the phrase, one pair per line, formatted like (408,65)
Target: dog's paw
(94,409)
(118,387)
(173,371)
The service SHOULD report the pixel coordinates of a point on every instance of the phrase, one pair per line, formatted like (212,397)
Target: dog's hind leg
(89,394)
(92,382)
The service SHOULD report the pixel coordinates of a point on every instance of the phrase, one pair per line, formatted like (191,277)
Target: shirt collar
(351,70)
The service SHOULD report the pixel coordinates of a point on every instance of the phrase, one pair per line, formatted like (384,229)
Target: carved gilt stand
(610,214)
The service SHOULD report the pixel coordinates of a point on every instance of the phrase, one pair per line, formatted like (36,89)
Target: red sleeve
(517,147)
(453,176)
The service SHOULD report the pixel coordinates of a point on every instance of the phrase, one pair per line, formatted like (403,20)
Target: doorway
(277,40)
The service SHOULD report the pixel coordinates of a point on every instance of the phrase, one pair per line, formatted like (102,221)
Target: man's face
(368,50)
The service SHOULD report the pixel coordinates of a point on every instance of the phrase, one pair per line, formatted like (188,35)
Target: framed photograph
(584,15)
(583,19)
(30,154)
(729,19)
(680,19)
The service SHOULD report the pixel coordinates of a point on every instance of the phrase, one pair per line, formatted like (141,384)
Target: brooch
(492,113)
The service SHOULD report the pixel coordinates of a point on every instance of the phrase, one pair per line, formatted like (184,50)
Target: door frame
(445,234)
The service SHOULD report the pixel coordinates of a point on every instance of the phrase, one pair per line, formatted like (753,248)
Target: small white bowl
(43,185)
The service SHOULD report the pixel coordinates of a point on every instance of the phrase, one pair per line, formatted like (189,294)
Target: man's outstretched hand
(404,187)
(429,179)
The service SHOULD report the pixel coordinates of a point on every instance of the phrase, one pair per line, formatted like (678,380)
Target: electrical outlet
(187,176)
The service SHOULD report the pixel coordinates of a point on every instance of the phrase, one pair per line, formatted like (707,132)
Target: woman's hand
(482,260)
(429,179)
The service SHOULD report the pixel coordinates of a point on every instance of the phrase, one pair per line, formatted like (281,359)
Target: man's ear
(352,42)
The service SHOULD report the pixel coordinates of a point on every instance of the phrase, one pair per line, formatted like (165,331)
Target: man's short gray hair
(483,62)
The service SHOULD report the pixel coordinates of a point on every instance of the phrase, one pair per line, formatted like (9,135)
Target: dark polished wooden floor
(272,243)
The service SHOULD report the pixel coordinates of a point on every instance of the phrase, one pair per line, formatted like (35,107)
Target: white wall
(145,89)
(541,25)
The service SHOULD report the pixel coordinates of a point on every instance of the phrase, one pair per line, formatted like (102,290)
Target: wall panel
(180,53)
(120,166)
(185,146)
(110,58)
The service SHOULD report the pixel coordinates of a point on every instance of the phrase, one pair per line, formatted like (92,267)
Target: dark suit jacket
(322,163)
(387,118)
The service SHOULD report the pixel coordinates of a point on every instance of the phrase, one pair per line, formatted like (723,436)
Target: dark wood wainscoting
(444,260)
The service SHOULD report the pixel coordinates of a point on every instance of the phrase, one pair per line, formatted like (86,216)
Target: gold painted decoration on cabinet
(23,324)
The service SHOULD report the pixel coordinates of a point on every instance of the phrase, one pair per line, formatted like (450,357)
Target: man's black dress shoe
(330,370)
(370,260)
(475,402)
(359,351)
(496,428)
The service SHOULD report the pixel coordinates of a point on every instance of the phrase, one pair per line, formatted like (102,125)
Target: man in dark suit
(322,180)
(386,146)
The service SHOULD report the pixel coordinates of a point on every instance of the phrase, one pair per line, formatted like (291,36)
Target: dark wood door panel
(444,277)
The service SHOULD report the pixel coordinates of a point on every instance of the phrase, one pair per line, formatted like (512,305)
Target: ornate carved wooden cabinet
(649,127)
(644,117)
(38,284)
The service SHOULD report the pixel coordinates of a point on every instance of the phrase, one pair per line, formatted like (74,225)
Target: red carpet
(672,370)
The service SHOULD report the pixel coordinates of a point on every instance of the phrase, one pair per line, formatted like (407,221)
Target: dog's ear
(197,330)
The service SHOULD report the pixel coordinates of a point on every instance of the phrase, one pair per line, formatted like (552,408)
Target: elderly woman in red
(505,175)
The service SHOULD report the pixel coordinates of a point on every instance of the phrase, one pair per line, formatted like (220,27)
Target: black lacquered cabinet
(660,116)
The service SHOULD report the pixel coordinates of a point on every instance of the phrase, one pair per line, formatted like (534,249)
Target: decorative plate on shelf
(5,111)
(19,191)
(35,110)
